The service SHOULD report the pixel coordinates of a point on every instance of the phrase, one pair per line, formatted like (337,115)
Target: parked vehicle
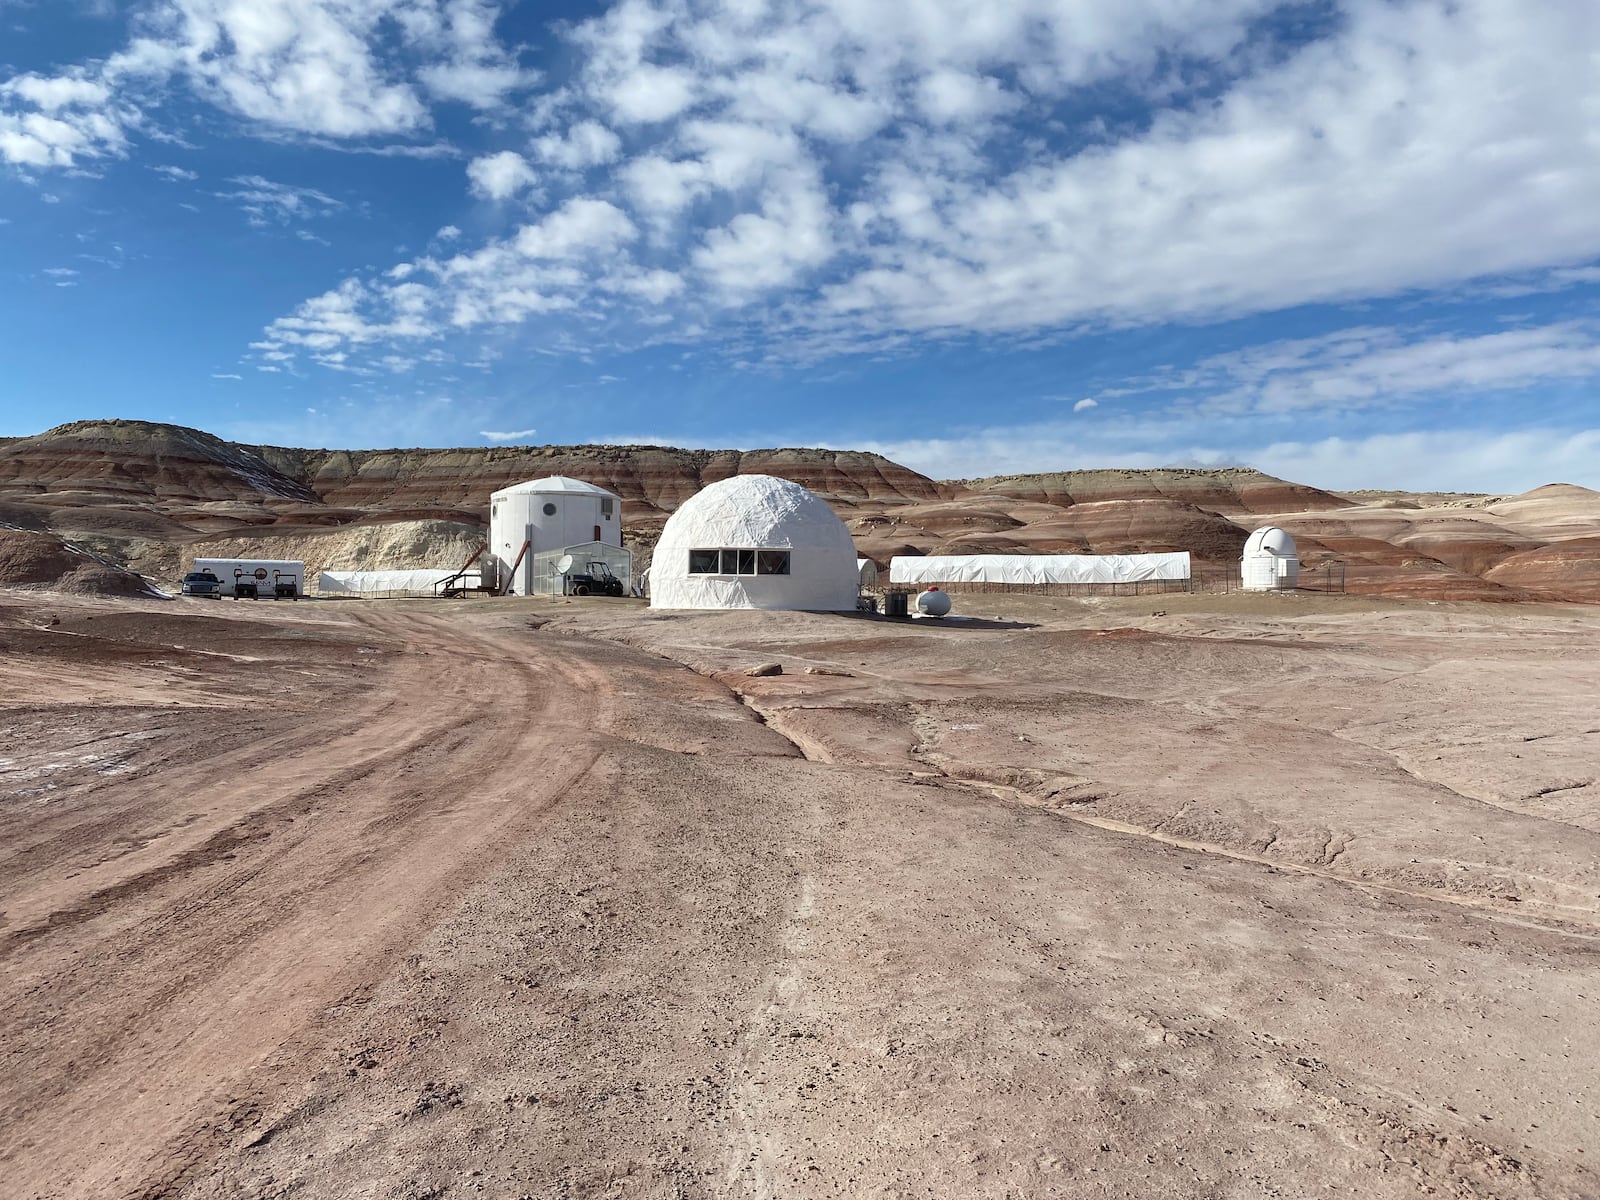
(255,578)
(598,580)
(202,583)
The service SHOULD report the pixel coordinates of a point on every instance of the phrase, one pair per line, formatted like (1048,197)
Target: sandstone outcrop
(652,480)
(43,560)
(1226,490)
(1565,570)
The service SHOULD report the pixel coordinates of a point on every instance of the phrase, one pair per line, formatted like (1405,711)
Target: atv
(598,580)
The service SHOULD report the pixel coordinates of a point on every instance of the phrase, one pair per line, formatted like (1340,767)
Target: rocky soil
(1246,896)
(151,497)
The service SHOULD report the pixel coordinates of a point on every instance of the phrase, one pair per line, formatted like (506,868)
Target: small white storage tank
(543,515)
(1269,563)
(755,541)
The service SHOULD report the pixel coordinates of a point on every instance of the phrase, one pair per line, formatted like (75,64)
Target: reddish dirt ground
(1254,896)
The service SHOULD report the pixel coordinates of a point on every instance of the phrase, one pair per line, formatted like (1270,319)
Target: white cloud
(266,202)
(1441,460)
(51,122)
(512,436)
(500,176)
(53,93)
(842,176)
(176,174)
(1370,366)
(448,233)
(227,376)
(1085,405)
(585,144)
(337,69)
(61,272)
(650,94)
(953,97)
(1461,460)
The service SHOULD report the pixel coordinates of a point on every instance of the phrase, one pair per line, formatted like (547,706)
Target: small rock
(830,671)
(765,669)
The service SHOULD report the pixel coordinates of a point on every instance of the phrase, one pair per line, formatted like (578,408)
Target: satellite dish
(564,564)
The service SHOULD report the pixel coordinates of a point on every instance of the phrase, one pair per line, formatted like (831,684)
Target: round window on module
(549,509)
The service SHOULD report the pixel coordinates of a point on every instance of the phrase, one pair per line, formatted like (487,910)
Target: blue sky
(1352,242)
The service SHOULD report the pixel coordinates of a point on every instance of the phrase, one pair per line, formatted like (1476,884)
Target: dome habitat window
(736,561)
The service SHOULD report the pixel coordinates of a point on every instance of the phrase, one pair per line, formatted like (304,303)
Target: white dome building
(755,541)
(532,525)
(1269,563)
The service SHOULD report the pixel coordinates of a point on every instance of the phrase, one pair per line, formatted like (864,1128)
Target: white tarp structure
(755,541)
(1038,568)
(420,582)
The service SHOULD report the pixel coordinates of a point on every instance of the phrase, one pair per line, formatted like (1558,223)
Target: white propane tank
(934,603)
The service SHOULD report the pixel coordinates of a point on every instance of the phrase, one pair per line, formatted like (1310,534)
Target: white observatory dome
(755,541)
(1270,540)
(1269,563)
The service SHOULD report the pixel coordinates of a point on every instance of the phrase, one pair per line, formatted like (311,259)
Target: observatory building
(755,541)
(1269,563)
(534,526)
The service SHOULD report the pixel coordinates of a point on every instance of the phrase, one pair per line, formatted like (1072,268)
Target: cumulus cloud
(842,178)
(585,144)
(511,436)
(500,176)
(333,68)
(1085,405)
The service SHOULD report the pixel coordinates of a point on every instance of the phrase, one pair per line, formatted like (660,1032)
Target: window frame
(746,562)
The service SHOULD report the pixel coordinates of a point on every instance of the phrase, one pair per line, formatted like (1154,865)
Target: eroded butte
(1277,896)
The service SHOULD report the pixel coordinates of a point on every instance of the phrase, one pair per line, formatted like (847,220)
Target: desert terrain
(1187,896)
(84,501)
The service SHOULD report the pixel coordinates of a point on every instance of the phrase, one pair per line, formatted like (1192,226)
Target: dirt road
(475,907)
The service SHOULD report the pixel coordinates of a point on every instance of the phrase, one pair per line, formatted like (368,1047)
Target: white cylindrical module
(547,514)
(1269,562)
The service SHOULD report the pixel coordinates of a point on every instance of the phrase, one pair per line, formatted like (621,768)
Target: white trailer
(271,577)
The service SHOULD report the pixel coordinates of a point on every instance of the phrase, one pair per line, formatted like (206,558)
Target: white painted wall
(517,515)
